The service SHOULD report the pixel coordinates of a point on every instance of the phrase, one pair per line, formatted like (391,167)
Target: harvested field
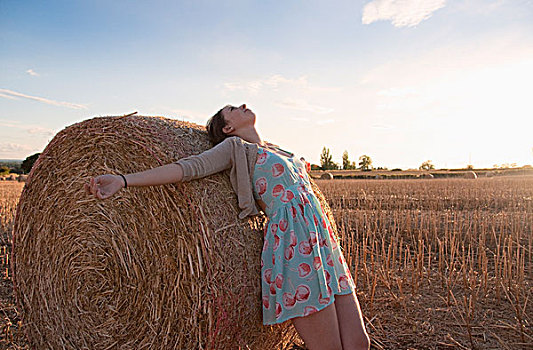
(439,263)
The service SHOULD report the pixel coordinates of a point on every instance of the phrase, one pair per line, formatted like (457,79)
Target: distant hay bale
(159,267)
(326,176)
(470,175)
(489,174)
(22,178)
(12,177)
(427,176)
(378,176)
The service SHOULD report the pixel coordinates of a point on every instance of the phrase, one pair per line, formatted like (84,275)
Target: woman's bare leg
(351,324)
(320,330)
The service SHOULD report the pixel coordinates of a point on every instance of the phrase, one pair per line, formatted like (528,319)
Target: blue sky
(403,81)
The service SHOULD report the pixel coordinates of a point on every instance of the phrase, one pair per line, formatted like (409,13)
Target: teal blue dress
(302,265)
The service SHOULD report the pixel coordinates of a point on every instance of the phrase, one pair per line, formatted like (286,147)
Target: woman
(303,272)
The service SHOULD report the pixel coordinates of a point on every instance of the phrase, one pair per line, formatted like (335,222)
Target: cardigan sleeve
(212,161)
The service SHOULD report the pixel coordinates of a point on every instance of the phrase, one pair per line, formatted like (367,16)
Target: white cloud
(30,129)
(273,82)
(14,95)
(8,96)
(325,121)
(302,105)
(382,126)
(182,114)
(404,75)
(402,13)
(398,91)
(9,147)
(32,73)
(299,119)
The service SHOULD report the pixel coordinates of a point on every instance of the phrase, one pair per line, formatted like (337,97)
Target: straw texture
(159,267)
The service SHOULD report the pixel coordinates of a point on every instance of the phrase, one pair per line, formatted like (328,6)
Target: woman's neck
(251,135)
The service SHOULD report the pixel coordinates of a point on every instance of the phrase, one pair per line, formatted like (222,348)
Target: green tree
(427,165)
(365,162)
(326,160)
(27,164)
(346,165)
(4,170)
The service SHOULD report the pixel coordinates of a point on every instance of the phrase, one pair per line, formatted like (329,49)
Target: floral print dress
(302,266)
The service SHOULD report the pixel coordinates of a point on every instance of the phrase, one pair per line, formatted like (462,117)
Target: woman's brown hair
(214,128)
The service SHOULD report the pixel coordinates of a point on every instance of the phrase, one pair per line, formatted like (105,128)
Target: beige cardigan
(234,153)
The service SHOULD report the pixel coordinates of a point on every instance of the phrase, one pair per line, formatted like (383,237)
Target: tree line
(365,163)
(327,163)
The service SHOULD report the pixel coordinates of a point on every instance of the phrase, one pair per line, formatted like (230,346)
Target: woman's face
(236,118)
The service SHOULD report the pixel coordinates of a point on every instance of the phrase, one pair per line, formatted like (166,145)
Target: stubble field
(438,263)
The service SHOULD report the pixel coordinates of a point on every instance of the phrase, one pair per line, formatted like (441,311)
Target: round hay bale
(22,178)
(158,267)
(12,177)
(470,175)
(427,176)
(326,176)
(489,174)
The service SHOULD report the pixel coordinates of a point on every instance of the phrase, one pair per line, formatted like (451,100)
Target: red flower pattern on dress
(283,224)
(278,190)
(278,310)
(261,158)
(308,310)
(317,263)
(267,275)
(313,239)
(279,280)
(305,248)
(323,300)
(276,242)
(302,293)
(329,260)
(294,240)
(266,302)
(289,253)
(287,196)
(288,300)
(343,282)
(293,212)
(261,186)
(273,288)
(304,270)
(301,206)
(277,169)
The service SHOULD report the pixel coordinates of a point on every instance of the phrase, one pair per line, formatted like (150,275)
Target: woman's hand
(104,186)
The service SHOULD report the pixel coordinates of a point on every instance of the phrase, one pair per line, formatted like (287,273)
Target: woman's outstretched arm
(189,168)
(104,186)
(162,175)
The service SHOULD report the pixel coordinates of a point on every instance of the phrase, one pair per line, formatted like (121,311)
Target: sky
(402,81)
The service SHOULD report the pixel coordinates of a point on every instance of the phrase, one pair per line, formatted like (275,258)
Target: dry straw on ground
(159,267)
